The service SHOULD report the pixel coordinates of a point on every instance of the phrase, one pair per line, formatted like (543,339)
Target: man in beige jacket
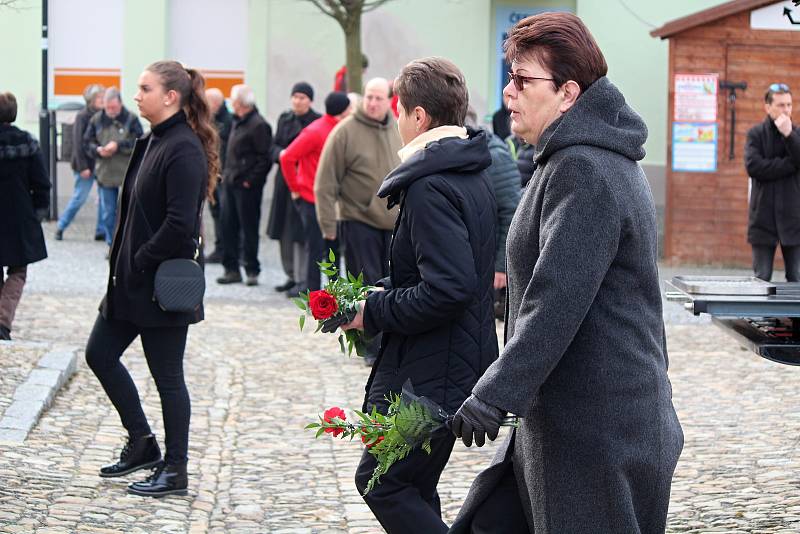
(359,153)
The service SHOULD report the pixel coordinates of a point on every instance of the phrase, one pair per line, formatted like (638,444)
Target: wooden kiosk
(721,61)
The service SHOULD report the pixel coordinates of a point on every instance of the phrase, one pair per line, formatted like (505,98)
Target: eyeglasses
(779,88)
(519,80)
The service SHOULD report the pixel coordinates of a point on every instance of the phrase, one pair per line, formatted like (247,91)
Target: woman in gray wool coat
(585,361)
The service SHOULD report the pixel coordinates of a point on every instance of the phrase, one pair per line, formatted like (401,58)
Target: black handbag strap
(198,241)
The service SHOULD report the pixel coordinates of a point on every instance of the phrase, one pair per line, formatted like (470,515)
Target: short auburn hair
(562,44)
(436,85)
(8,108)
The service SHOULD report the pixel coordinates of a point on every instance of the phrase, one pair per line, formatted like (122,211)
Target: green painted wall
(20,66)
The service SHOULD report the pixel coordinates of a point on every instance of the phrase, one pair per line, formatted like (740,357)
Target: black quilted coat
(437,317)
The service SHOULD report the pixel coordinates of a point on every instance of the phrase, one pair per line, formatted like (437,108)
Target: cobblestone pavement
(255,381)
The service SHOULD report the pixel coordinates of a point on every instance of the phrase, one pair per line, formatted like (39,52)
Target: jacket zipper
(119,211)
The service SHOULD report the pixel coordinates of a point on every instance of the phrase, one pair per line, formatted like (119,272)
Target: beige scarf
(422,140)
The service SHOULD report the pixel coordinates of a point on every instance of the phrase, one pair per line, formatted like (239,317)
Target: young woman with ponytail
(172,169)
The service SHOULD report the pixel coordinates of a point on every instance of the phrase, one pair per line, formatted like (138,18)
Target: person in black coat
(284,222)
(772,159)
(171,170)
(501,123)
(523,153)
(24,203)
(247,163)
(435,313)
(222,122)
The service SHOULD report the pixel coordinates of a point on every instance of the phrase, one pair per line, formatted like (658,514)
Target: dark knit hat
(303,88)
(336,102)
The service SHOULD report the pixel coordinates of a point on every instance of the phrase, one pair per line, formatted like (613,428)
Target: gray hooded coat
(585,361)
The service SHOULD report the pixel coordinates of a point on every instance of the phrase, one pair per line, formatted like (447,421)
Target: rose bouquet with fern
(336,304)
(409,422)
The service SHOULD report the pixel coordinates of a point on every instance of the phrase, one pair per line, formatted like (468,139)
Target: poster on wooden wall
(694,130)
(694,147)
(696,97)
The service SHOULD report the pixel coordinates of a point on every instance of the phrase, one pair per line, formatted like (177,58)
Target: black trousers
(216,214)
(314,246)
(366,250)
(764,255)
(406,499)
(241,215)
(163,349)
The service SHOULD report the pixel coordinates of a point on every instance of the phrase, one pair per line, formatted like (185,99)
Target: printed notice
(694,147)
(696,97)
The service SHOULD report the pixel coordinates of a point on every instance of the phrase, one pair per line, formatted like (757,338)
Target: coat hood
(16,143)
(450,154)
(599,118)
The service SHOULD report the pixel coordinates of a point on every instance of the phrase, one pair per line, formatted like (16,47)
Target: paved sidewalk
(255,381)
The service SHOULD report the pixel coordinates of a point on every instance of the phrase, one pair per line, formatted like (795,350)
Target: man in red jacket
(299,165)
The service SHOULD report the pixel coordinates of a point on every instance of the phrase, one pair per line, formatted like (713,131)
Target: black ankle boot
(141,453)
(166,479)
(5,333)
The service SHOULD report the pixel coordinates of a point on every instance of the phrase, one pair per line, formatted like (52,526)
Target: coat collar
(163,126)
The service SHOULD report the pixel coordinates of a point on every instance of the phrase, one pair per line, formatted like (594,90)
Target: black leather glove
(477,419)
(331,324)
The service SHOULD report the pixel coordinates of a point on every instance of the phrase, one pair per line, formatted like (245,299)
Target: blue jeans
(108,207)
(79,195)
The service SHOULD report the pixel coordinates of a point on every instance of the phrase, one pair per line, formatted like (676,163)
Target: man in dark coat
(24,203)
(222,122)
(585,363)
(284,220)
(436,314)
(772,158)
(247,163)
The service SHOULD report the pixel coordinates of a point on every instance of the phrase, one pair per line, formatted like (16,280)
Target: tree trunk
(352,44)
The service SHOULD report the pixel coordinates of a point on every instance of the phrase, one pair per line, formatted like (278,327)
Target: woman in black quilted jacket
(171,169)
(436,312)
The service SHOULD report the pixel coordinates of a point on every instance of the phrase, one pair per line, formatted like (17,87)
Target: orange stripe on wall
(223,84)
(74,84)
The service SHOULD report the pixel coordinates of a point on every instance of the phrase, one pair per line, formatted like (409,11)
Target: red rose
(328,417)
(322,304)
(365,439)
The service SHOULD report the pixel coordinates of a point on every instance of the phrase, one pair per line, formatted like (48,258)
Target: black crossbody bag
(179,283)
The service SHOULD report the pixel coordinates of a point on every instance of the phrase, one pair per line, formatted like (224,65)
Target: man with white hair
(244,173)
(359,153)
(222,122)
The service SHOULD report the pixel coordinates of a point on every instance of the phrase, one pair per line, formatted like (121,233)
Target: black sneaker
(5,333)
(286,286)
(99,237)
(59,235)
(230,277)
(166,479)
(141,453)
